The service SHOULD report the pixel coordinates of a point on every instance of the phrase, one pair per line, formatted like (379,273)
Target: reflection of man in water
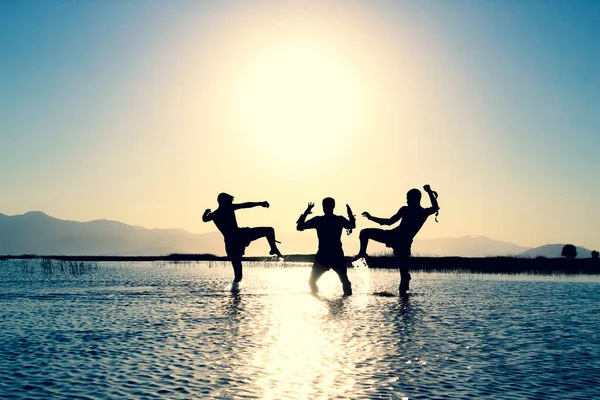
(329,231)
(236,238)
(400,239)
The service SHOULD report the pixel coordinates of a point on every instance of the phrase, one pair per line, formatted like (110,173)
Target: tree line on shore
(501,264)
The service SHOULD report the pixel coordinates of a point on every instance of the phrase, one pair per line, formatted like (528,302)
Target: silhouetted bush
(569,251)
(595,255)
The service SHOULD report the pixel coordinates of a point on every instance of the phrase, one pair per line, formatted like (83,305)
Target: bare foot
(359,256)
(276,252)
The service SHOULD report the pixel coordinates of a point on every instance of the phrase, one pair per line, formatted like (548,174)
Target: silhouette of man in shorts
(400,239)
(236,238)
(330,254)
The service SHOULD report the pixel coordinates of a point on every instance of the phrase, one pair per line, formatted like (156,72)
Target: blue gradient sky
(122,110)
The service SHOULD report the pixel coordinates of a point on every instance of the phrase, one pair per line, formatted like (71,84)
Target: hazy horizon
(293,242)
(142,112)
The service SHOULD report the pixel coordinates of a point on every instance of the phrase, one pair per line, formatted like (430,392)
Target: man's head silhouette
(413,197)
(224,199)
(328,205)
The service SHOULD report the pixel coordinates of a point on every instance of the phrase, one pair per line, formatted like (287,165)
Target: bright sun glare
(298,103)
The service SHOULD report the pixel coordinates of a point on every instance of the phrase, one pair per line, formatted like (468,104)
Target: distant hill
(554,251)
(466,246)
(38,233)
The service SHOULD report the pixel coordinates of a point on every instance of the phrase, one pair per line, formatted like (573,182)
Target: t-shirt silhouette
(329,231)
(412,221)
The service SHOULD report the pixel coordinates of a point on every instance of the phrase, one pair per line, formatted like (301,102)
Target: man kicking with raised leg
(236,238)
(329,231)
(400,239)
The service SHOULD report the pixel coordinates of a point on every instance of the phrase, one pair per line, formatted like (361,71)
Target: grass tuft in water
(49,266)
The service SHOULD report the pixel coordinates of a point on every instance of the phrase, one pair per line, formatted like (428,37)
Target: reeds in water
(50,266)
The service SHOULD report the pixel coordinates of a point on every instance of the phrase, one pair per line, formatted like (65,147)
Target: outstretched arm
(207,216)
(349,223)
(251,204)
(385,221)
(433,198)
(301,224)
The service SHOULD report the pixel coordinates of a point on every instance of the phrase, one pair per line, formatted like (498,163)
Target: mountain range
(554,251)
(38,233)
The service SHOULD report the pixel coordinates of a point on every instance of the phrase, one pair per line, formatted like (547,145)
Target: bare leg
(343,275)
(404,281)
(266,232)
(378,235)
(315,274)
(237,269)
(404,263)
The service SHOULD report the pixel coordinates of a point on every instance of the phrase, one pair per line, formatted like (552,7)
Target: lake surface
(173,331)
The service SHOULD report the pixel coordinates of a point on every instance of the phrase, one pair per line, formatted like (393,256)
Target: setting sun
(299,102)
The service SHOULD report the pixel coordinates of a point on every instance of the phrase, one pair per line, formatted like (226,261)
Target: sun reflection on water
(308,349)
(288,343)
(304,353)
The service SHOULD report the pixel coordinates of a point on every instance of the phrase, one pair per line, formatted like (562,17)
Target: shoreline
(493,264)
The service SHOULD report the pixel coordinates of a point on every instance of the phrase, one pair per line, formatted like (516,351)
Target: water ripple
(156,331)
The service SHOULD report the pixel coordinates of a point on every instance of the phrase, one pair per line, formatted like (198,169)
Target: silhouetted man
(400,239)
(329,231)
(236,238)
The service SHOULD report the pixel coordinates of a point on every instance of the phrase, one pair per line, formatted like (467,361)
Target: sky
(144,111)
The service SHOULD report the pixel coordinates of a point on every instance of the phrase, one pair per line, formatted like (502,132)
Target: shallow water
(160,330)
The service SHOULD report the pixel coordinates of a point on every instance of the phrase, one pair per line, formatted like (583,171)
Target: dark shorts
(325,262)
(400,245)
(401,250)
(235,245)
